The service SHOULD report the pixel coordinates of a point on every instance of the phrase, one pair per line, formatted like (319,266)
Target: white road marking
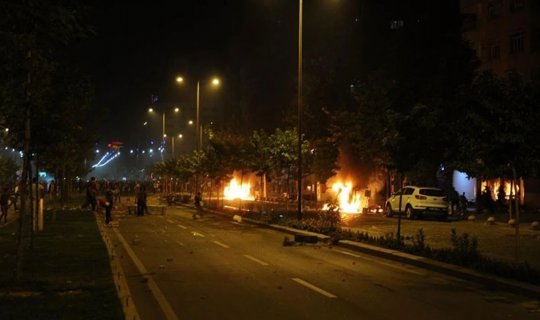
(349,254)
(221,244)
(169,220)
(314,288)
(255,260)
(154,289)
(181,226)
(381,262)
(196,234)
(180,243)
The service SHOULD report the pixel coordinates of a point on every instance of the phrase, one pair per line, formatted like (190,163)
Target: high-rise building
(505,34)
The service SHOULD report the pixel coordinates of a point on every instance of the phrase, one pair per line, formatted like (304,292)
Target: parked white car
(418,201)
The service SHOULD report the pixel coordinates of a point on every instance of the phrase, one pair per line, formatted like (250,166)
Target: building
(505,34)
(506,37)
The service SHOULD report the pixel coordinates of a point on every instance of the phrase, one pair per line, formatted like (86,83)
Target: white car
(418,201)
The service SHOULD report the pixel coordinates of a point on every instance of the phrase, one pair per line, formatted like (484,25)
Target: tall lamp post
(299,123)
(173,138)
(163,133)
(215,82)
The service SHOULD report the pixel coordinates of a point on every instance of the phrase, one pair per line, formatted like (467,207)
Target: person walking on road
(198,206)
(108,205)
(91,194)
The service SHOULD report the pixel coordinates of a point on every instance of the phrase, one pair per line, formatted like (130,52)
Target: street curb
(529,290)
(119,277)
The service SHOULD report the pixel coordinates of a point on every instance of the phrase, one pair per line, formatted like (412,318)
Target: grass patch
(66,275)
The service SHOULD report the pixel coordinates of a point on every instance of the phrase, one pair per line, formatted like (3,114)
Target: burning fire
(236,190)
(507,188)
(348,200)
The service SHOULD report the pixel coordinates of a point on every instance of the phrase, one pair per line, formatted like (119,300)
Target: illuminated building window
(517,42)
(396,24)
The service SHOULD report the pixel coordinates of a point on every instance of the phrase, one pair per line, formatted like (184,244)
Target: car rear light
(420,197)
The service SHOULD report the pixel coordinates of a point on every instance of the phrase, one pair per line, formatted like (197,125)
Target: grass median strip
(66,275)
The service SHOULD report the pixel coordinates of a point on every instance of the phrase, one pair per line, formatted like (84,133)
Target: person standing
(4,203)
(141,201)
(108,205)
(198,206)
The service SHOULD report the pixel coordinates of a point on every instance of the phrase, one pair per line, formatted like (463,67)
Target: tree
(33,35)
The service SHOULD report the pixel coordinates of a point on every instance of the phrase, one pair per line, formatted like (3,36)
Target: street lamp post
(299,121)
(173,138)
(215,82)
(163,133)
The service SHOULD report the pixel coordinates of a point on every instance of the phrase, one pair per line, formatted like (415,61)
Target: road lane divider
(196,234)
(181,226)
(314,288)
(154,288)
(255,260)
(221,244)
(170,221)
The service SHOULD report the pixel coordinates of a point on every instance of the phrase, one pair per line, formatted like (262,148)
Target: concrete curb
(529,290)
(119,277)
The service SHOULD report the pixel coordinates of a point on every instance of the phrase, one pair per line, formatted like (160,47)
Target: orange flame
(349,200)
(236,190)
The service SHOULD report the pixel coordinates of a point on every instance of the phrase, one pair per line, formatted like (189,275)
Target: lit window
(396,24)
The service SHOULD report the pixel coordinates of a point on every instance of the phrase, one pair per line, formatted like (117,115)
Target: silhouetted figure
(198,206)
(108,205)
(487,200)
(141,201)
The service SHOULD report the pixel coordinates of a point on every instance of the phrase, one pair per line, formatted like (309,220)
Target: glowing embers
(236,190)
(348,199)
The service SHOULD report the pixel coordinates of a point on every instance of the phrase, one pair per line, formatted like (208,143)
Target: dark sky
(140,46)
(251,45)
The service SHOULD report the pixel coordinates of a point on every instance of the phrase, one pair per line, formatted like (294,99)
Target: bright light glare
(190,122)
(179,79)
(176,109)
(180,136)
(215,81)
(150,109)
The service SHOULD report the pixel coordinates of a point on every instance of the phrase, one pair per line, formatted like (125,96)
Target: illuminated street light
(173,138)
(215,82)
(164,134)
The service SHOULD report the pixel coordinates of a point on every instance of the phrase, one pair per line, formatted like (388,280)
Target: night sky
(251,45)
(140,46)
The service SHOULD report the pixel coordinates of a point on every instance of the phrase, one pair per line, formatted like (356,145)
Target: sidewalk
(498,240)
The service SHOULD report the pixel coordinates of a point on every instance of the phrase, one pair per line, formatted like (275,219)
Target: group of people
(91,200)
(458,203)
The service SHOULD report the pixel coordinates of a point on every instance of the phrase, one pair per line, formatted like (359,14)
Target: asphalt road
(214,268)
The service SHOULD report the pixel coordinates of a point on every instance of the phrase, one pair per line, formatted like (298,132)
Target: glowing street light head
(176,109)
(164,135)
(150,109)
(179,79)
(190,122)
(180,135)
(215,82)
